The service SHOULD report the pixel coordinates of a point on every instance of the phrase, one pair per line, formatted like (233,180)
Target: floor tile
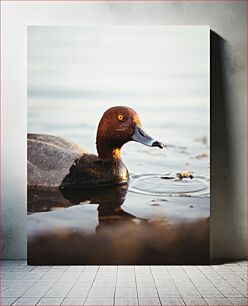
(149,301)
(38,290)
(50,301)
(217,301)
(7,300)
(210,292)
(80,290)
(166,301)
(58,291)
(147,292)
(194,301)
(75,268)
(143,282)
(99,301)
(102,292)
(229,291)
(125,283)
(238,301)
(42,268)
(27,301)
(121,301)
(126,292)
(164,292)
(126,269)
(73,301)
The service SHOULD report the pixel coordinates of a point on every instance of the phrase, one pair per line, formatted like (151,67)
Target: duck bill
(140,135)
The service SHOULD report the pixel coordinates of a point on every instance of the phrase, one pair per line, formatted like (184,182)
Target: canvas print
(118,145)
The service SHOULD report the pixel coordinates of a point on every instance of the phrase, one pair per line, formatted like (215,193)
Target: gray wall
(228,106)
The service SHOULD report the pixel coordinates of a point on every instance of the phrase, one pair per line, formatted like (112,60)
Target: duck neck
(106,152)
(112,163)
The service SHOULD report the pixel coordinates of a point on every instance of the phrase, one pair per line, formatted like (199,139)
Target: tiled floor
(123,285)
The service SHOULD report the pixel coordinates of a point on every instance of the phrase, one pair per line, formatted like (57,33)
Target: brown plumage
(53,161)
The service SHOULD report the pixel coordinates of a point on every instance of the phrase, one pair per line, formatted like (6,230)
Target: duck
(54,162)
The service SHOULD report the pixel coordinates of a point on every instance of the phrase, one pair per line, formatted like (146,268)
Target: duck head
(118,126)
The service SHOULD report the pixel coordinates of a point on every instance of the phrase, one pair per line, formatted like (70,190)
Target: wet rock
(185,174)
(167,177)
(155,204)
(202,155)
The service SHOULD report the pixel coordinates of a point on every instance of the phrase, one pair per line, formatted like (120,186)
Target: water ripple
(154,184)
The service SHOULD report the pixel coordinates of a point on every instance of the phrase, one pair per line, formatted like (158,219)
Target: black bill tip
(158,144)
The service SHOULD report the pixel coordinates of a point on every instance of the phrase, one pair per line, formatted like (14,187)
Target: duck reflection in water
(109,199)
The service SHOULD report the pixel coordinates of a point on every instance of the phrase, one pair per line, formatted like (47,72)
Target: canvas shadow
(222,176)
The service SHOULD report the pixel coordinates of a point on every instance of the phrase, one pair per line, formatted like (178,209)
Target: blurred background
(75,73)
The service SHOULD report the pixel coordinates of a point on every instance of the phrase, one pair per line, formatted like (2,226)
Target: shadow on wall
(222,176)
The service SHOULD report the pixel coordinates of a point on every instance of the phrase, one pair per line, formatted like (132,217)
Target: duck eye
(120,117)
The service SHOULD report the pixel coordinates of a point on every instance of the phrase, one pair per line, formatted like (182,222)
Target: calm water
(74,74)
